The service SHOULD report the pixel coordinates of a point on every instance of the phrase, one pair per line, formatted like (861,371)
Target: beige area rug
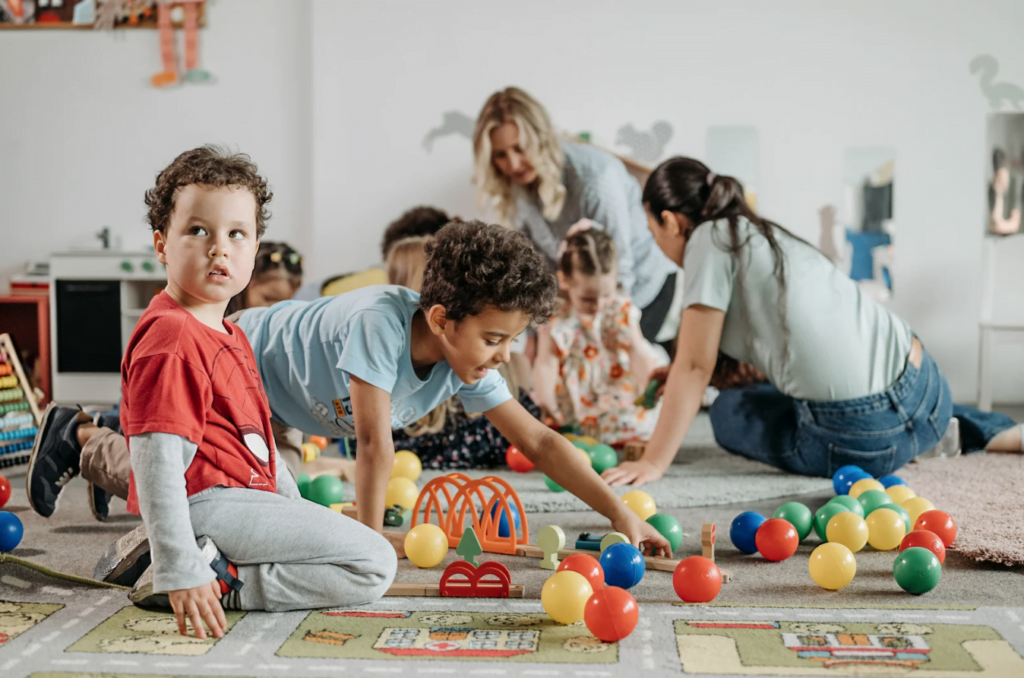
(982,492)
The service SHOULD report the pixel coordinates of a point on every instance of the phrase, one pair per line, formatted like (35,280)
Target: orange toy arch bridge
(476,499)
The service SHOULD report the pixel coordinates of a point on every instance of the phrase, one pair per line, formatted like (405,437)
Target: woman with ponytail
(848,381)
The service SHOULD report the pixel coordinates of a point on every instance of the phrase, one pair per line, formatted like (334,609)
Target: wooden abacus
(19,412)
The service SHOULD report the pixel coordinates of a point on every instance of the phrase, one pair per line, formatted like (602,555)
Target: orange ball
(776,539)
(517,461)
(586,565)
(940,523)
(697,580)
(611,613)
(319,441)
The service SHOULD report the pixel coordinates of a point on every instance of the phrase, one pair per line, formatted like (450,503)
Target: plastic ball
(580,445)
(603,457)
(886,529)
(586,565)
(917,570)
(892,481)
(926,540)
(697,579)
(939,523)
(849,502)
(743,531)
(426,545)
(401,491)
(623,565)
(11,531)
(326,490)
(517,461)
(552,485)
(668,527)
(407,465)
(798,515)
(303,482)
(822,517)
(565,596)
(848,529)
(319,441)
(900,493)
(503,521)
(776,539)
(5,491)
(832,566)
(587,440)
(611,614)
(847,476)
(309,452)
(903,514)
(873,499)
(915,506)
(863,485)
(640,503)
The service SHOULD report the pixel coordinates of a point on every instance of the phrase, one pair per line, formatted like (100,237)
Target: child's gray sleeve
(286,486)
(159,461)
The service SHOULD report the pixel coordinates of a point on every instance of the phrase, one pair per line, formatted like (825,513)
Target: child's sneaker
(55,457)
(126,559)
(227,575)
(99,502)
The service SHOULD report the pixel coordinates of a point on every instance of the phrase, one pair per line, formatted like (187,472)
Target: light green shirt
(842,343)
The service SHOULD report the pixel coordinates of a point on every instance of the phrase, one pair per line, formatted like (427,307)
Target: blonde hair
(540,143)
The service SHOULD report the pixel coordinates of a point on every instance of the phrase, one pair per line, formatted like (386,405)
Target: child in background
(592,360)
(276,277)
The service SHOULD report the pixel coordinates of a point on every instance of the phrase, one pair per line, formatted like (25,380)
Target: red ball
(927,540)
(5,491)
(697,580)
(517,461)
(611,614)
(940,523)
(776,539)
(586,565)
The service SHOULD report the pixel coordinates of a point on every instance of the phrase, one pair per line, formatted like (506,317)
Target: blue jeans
(880,433)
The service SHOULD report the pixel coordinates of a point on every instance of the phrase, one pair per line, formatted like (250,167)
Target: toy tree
(469,546)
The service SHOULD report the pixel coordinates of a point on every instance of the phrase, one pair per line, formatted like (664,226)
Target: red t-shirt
(180,376)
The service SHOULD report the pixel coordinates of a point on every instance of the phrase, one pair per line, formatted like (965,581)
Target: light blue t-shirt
(307,351)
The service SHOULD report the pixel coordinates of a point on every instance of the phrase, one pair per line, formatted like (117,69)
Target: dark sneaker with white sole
(99,502)
(126,559)
(142,593)
(56,457)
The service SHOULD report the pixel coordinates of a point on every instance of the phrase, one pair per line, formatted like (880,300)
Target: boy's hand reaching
(642,535)
(634,473)
(201,603)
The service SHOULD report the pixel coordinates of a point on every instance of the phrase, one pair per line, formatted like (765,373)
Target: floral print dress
(596,387)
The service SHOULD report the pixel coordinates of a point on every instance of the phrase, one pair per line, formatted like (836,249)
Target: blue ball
(11,531)
(846,477)
(889,481)
(623,565)
(744,529)
(503,523)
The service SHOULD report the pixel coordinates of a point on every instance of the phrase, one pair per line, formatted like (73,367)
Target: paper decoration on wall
(84,14)
(646,147)
(996,92)
(454,122)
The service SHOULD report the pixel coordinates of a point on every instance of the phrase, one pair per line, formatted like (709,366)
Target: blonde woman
(542,186)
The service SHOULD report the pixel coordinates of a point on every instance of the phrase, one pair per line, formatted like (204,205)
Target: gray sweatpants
(293,554)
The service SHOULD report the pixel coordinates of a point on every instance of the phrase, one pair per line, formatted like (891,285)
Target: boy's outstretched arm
(371,413)
(557,458)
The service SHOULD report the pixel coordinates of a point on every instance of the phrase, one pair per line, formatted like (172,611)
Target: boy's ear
(437,318)
(159,246)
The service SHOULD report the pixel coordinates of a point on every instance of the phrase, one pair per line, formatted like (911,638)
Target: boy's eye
(237,234)
(491,342)
(197,230)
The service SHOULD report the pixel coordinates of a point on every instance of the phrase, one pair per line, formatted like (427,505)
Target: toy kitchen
(96,298)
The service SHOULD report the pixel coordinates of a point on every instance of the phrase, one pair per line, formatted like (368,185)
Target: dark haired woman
(849,383)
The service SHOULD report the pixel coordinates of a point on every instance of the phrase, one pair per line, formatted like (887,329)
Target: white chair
(1002,305)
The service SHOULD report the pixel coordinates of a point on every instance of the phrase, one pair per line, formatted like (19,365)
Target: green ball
(303,482)
(917,570)
(603,457)
(903,514)
(668,527)
(798,515)
(583,446)
(552,485)
(849,502)
(823,515)
(325,490)
(874,499)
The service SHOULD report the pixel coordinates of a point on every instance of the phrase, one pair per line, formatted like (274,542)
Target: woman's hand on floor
(632,473)
(199,604)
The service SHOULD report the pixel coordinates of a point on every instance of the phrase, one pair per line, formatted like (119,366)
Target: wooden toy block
(613,538)
(412,589)
(633,450)
(463,580)
(469,547)
(551,540)
(588,542)
(707,541)
(658,563)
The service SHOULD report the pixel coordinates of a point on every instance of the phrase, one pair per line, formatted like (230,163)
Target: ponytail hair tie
(578,227)
(711,178)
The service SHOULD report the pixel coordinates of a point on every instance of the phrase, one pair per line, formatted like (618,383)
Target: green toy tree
(469,546)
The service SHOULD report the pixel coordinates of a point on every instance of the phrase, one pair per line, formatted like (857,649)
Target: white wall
(83,134)
(814,78)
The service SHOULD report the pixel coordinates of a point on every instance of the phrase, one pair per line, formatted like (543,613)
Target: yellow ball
(426,545)
(565,595)
(832,566)
(863,485)
(401,491)
(588,440)
(848,529)
(309,452)
(571,437)
(900,493)
(915,506)
(407,465)
(640,503)
(886,529)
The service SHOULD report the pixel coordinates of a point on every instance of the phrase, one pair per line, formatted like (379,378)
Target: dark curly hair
(420,220)
(471,265)
(210,166)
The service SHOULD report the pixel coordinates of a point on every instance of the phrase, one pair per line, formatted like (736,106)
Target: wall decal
(455,122)
(645,147)
(995,92)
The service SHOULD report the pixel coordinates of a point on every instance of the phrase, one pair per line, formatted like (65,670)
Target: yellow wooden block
(341,507)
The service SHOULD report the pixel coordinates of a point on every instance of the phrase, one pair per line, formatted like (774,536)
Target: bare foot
(1007,441)
(397,540)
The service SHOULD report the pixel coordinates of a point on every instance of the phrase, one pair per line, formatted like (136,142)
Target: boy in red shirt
(205,471)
